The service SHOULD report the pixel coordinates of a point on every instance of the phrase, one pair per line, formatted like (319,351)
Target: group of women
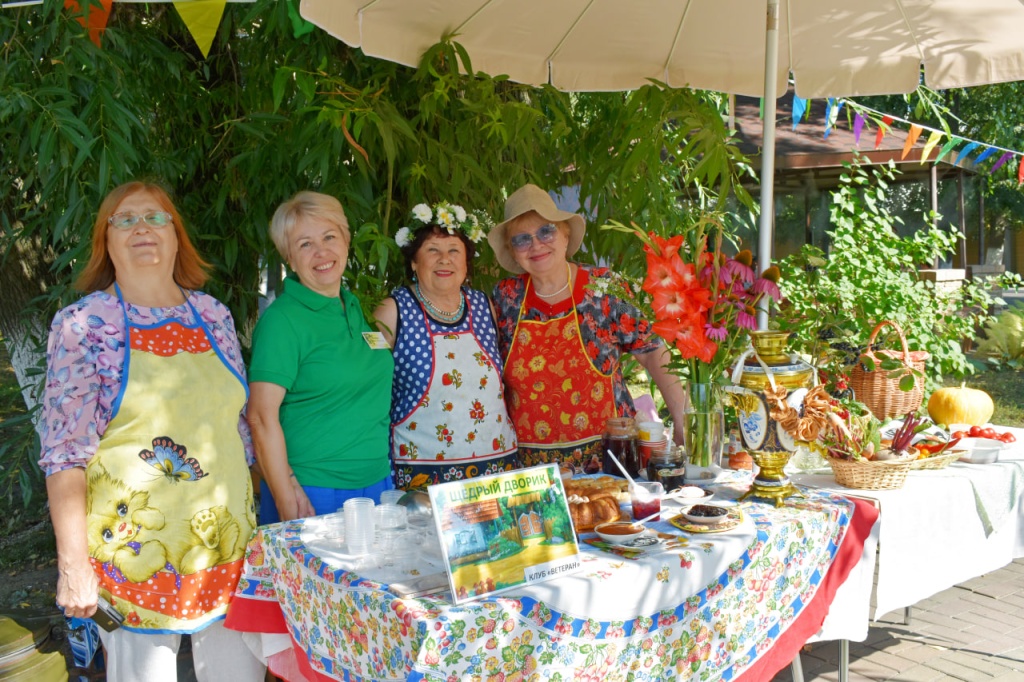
(146,420)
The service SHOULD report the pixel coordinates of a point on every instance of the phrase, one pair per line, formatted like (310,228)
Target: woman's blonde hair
(303,205)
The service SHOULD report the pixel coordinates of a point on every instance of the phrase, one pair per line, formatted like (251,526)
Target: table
(731,605)
(942,527)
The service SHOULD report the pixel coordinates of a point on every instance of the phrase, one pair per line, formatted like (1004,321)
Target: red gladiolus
(665,273)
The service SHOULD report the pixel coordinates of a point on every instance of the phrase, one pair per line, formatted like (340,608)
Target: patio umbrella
(749,47)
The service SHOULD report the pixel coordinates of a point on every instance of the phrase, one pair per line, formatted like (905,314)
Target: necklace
(443,315)
(568,280)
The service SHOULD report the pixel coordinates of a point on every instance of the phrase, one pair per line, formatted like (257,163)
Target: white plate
(981,450)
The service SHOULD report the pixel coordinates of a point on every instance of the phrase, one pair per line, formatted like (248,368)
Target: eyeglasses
(545,234)
(126,221)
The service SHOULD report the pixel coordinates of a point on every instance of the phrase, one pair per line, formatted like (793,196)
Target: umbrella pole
(766,229)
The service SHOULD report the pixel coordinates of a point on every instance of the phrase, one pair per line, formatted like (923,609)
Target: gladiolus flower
(663,273)
(666,247)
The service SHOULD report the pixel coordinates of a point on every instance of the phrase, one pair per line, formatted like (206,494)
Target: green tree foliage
(269,113)
(870,275)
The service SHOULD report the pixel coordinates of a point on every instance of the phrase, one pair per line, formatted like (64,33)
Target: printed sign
(505,530)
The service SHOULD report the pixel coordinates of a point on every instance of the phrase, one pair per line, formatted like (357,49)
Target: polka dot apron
(169,503)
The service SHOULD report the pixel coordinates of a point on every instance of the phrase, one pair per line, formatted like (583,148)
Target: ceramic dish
(689,494)
(619,532)
(732,519)
(981,450)
(705,514)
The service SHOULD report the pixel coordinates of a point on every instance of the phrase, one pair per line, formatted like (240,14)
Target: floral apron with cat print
(169,502)
(558,400)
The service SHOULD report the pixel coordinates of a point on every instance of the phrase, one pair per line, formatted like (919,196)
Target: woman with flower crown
(448,417)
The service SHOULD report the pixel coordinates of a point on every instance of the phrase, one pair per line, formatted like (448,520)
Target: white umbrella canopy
(832,47)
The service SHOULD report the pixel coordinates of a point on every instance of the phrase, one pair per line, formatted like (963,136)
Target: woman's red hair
(190,270)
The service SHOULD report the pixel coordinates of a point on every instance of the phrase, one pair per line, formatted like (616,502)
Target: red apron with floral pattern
(169,507)
(558,400)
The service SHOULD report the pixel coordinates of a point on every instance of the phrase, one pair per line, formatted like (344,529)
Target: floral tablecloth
(721,606)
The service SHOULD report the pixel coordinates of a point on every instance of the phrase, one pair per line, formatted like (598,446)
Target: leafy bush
(1003,345)
(833,300)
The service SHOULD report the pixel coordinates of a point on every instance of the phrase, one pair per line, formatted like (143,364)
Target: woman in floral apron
(448,417)
(146,449)
(562,341)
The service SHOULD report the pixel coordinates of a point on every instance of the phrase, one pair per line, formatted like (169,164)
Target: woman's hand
(296,505)
(77,588)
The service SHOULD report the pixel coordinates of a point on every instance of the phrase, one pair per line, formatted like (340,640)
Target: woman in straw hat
(563,342)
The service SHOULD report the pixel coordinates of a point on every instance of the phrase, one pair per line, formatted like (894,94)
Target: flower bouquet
(703,303)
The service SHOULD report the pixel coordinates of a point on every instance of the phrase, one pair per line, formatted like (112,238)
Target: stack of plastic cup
(389,516)
(391,496)
(359,528)
(650,438)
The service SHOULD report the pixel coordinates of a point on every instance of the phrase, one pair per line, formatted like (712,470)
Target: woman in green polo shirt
(320,378)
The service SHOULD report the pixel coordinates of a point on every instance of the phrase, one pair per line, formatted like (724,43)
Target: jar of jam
(666,457)
(673,478)
(620,439)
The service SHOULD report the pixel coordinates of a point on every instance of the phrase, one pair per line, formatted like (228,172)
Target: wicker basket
(888,475)
(879,389)
(938,461)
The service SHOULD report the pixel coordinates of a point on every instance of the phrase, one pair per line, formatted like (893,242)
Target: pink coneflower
(716,333)
(769,288)
(746,318)
(736,269)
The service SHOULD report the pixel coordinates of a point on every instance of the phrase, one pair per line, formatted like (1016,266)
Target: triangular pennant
(886,121)
(760,108)
(831,114)
(933,140)
(858,126)
(998,164)
(93,18)
(300,26)
(202,17)
(915,132)
(965,151)
(985,154)
(799,107)
(948,147)
(1020,171)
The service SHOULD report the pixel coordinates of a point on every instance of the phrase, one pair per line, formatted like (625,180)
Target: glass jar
(668,457)
(620,438)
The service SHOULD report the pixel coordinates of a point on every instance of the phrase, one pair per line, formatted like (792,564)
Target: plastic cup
(650,431)
(389,516)
(359,526)
(391,496)
(646,499)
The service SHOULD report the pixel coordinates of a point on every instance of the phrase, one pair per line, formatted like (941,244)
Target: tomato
(989,432)
(960,434)
(975,432)
(1008,437)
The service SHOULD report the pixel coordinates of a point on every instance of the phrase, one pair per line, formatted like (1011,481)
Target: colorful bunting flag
(985,154)
(93,18)
(965,151)
(933,140)
(915,132)
(998,164)
(948,147)
(886,121)
(1020,172)
(202,17)
(831,114)
(858,126)
(799,107)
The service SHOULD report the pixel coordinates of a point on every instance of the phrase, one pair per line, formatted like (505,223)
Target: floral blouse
(84,363)
(609,326)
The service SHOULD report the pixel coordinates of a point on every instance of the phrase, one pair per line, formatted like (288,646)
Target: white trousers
(217,653)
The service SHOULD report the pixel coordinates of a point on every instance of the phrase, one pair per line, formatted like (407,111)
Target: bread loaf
(588,512)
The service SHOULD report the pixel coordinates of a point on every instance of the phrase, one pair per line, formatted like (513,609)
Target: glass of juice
(646,499)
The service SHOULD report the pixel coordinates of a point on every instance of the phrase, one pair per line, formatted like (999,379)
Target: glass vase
(704,425)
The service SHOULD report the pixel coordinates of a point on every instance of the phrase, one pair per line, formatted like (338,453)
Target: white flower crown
(451,217)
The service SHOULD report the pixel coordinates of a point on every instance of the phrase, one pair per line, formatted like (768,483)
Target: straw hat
(532,198)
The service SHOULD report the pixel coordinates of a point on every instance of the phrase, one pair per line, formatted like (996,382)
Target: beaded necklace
(442,315)
(568,281)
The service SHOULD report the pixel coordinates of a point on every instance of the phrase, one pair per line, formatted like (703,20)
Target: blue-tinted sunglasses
(545,234)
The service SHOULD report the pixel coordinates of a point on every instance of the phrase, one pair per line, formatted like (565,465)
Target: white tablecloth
(942,528)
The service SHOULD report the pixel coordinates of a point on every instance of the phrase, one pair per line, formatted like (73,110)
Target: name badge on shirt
(375,340)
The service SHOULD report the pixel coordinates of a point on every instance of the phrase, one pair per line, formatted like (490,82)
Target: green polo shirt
(335,412)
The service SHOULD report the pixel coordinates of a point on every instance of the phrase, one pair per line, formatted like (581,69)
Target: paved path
(971,632)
